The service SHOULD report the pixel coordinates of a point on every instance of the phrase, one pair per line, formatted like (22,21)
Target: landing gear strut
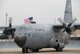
(58,49)
(35,50)
(24,50)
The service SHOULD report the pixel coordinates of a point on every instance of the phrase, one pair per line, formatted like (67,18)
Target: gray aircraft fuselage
(40,36)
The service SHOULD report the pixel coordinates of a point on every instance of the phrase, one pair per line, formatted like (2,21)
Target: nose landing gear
(26,50)
(58,48)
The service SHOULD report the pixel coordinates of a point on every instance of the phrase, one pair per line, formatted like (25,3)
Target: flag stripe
(28,20)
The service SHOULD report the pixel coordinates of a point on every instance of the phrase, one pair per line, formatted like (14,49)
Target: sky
(43,11)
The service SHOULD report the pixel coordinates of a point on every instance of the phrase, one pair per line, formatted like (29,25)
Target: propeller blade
(73,20)
(69,24)
(60,20)
(68,27)
(10,22)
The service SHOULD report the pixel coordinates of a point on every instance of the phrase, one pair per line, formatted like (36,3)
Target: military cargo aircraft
(38,36)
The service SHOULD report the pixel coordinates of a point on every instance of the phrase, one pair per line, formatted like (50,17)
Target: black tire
(58,49)
(27,50)
(61,49)
(35,50)
(24,50)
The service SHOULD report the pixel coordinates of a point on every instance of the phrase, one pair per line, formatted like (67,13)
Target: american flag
(28,20)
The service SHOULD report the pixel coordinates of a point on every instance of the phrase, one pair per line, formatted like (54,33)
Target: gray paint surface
(72,44)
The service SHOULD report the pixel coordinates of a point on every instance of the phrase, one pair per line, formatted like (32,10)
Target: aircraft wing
(58,26)
(77,26)
(2,28)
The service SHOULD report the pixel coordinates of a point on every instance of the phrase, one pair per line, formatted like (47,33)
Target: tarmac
(42,51)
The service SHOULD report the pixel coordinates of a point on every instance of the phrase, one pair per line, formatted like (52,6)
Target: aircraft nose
(20,41)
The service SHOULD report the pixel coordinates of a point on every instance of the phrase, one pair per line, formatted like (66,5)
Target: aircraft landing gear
(35,50)
(24,50)
(58,49)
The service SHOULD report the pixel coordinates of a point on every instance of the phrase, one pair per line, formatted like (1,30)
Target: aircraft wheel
(61,49)
(35,50)
(24,50)
(58,49)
